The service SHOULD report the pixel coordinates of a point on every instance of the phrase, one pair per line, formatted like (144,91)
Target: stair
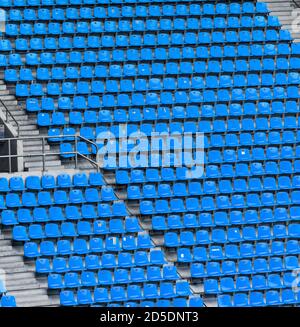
(287,13)
(20,278)
(28,128)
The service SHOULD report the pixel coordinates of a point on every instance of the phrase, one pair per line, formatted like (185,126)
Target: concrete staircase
(158,240)
(287,13)
(20,279)
(28,128)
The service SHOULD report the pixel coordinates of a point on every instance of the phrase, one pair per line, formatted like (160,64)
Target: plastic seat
(224,300)
(273,298)
(240,300)
(8,217)
(227,284)
(8,301)
(211,286)
(20,233)
(60,265)
(67,298)
(43,266)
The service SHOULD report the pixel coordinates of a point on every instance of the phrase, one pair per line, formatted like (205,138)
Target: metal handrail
(44,154)
(296,3)
(9,114)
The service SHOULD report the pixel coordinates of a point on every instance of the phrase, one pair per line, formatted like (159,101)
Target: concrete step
(25,285)
(30,148)
(34,164)
(48,159)
(30,133)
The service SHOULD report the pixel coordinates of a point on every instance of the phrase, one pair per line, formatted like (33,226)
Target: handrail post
(43,153)
(9,156)
(76,153)
(9,114)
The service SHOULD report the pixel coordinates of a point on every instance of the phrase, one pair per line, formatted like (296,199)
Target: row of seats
(107,261)
(68,298)
(211,157)
(106,277)
(167,98)
(159,39)
(95,245)
(174,67)
(129,242)
(281,50)
(68,150)
(261,139)
(150,291)
(211,269)
(68,134)
(211,171)
(257,299)
(136,115)
(222,202)
(30,199)
(82,228)
(243,267)
(232,252)
(224,186)
(155,175)
(222,218)
(134,293)
(233,234)
(114,11)
(139,25)
(47,181)
(220,125)
(234,125)
(244,283)
(81,246)
(154,84)
(57,213)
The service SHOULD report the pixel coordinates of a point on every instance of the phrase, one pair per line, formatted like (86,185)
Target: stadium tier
(157,236)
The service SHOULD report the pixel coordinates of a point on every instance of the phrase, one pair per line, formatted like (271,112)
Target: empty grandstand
(80,76)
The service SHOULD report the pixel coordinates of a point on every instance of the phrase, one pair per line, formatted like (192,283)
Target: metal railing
(43,155)
(296,3)
(8,115)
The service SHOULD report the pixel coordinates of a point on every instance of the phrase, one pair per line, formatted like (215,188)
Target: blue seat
(273,298)
(43,266)
(92,262)
(224,300)
(20,233)
(31,250)
(8,301)
(67,298)
(228,267)
(227,284)
(84,297)
(240,300)
(8,217)
(101,295)
(211,286)
(55,281)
